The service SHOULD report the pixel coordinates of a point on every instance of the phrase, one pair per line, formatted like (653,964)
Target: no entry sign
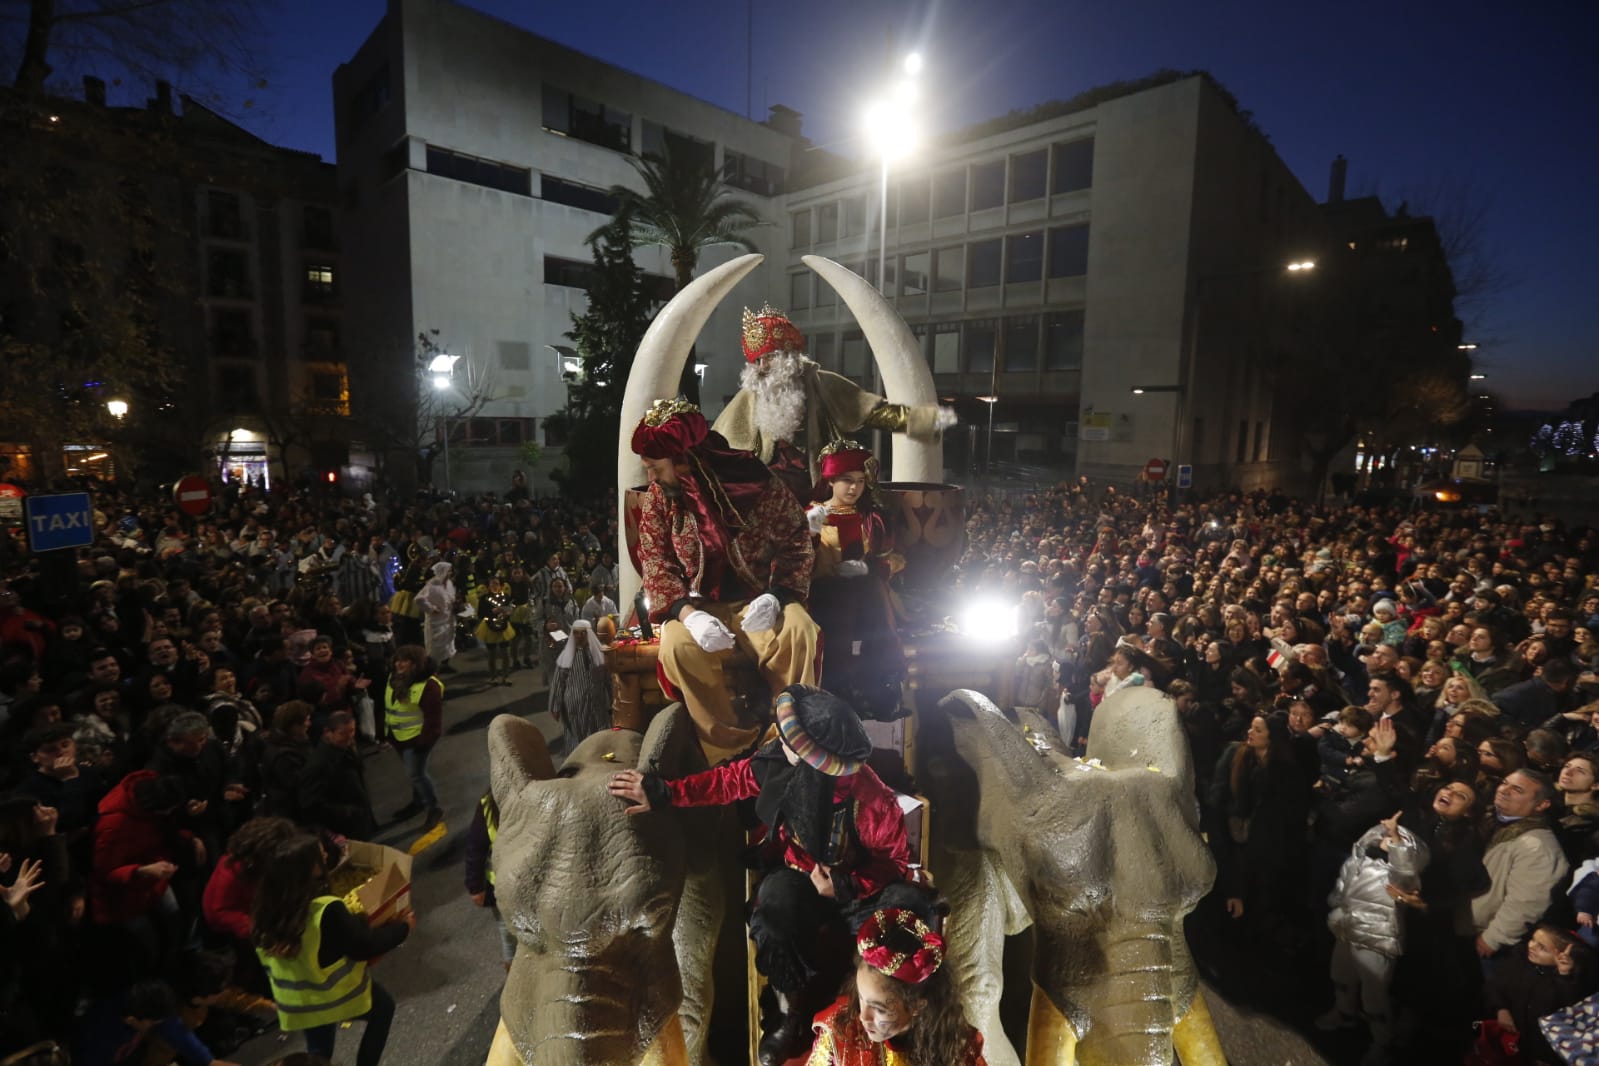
(1155,469)
(11,503)
(192,495)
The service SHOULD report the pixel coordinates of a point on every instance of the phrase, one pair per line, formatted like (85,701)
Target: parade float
(1066,879)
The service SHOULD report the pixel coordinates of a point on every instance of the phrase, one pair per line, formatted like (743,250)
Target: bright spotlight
(443,364)
(989,622)
(913,64)
(889,130)
(441,382)
(118,408)
(1303,264)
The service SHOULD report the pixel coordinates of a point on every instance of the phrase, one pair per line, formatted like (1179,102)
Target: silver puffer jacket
(1363,914)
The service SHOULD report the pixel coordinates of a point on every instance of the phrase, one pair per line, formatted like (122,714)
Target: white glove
(817,518)
(761,614)
(944,418)
(708,631)
(852,568)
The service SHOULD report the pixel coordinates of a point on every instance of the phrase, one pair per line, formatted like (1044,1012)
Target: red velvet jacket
(771,554)
(879,824)
(126,838)
(227,900)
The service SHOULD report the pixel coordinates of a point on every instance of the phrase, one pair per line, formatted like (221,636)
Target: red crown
(915,955)
(768,331)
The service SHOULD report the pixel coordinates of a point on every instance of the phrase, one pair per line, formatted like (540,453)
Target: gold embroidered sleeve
(894,417)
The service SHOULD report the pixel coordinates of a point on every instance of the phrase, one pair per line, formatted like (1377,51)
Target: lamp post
(117,408)
(442,368)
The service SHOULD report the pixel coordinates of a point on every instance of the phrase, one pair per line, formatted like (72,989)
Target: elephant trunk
(1131,1001)
(667,1049)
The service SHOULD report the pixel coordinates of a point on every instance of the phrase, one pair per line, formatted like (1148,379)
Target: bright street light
(118,408)
(913,64)
(1479,377)
(889,128)
(443,364)
(1302,264)
(441,381)
(1466,347)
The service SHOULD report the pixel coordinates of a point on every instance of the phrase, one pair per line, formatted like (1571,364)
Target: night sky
(1455,106)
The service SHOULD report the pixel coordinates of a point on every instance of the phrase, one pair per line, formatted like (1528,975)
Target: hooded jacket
(1363,914)
(127,837)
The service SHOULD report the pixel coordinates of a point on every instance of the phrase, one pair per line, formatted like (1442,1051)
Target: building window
(949,269)
(1027,176)
(1021,344)
(988,185)
(826,295)
(484,172)
(854,216)
(1074,166)
(1063,340)
(232,334)
(947,348)
(224,215)
(319,233)
(571,273)
(799,291)
(330,390)
(1242,441)
(237,391)
(800,229)
(914,202)
(1024,257)
(750,174)
(822,345)
(983,260)
(1068,251)
(369,99)
(888,267)
(915,273)
(570,193)
(855,356)
(588,120)
(515,355)
(949,193)
(827,222)
(318,282)
(322,339)
(661,141)
(481,432)
(227,273)
(981,336)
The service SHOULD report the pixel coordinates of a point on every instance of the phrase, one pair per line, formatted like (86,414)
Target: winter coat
(1524,862)
(333,792)
(282,763)
(1363,914)
(229,895)
(126,838)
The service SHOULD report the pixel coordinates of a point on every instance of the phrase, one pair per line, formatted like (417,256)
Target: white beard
(777,383)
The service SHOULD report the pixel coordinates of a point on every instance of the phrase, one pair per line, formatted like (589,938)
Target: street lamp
(891,131)
(118,408)
(1479,377)
(442,367)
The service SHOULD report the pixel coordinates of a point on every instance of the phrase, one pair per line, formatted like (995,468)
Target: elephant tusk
(657,368)
(667,1049)
(906,378)
(1051,1038)
(1195,1036)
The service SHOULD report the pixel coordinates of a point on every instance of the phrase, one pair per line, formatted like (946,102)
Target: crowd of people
(184,736)
(1394,720)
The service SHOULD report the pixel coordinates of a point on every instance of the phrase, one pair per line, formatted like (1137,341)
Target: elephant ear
(1139,728)
(671,747)
(1000,737)
(517,755)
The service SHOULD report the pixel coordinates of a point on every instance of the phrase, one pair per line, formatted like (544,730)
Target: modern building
(474,157)
(1056,263)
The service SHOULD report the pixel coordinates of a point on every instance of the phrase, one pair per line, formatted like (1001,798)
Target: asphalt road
(446,978)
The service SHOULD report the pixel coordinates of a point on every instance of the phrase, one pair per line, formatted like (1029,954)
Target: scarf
(799,796)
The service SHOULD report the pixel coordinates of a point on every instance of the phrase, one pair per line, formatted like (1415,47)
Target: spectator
(1527,985)
(1537,699)
(333,791)
(1524,863)
(283,758)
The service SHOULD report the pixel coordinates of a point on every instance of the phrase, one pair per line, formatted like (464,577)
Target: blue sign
(1185,476)
(62,521)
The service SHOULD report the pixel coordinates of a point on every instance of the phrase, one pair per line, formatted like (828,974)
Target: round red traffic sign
(1155,469)
(11,503)
(192,495)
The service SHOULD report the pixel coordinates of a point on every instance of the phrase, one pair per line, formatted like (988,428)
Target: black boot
(784,1041)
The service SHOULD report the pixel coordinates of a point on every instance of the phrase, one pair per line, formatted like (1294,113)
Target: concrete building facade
(474,158)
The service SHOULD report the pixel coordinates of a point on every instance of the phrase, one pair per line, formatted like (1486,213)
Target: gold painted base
(668,1049)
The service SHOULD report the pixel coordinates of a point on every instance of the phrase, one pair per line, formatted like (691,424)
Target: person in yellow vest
(316,952)
(413,710)
(479,869)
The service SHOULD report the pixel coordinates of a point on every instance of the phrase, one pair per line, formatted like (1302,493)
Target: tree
(685,208)
(607,335)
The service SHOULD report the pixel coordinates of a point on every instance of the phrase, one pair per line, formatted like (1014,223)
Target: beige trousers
(785,655)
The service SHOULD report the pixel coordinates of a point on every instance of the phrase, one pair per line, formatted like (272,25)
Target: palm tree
(685,208)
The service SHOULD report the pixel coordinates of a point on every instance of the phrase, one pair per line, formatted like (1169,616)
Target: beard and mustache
(777,382)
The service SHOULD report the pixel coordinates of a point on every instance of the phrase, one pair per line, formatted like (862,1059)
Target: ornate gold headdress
(661,410)
(769,330)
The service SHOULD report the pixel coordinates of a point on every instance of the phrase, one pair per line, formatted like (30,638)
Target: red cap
(770,331)
(670,427)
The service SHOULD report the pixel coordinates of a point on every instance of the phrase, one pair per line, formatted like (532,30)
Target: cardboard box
(386,894)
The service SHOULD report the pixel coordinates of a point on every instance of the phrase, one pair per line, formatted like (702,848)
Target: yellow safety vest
(491,819)
(404,717)
(305,993)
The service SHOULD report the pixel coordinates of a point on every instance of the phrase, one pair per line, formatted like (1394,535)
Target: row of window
(1022,344)
(579,274)
(1061,252)
(1061,168)
(485,432)
(233,336)
(477,171)
(227,276)
(238,390)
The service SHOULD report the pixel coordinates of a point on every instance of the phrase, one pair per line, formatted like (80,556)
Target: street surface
(446,978)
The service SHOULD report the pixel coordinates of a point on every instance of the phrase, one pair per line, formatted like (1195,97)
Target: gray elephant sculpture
(616,916)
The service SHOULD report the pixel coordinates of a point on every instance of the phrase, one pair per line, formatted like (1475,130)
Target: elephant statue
(1102,857)
(616,916)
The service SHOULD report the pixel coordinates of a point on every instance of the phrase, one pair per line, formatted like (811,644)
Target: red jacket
(227,900)
(879,823)
(126,838)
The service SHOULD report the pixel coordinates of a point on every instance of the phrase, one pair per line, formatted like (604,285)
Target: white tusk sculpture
(657,369)
(906,377)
